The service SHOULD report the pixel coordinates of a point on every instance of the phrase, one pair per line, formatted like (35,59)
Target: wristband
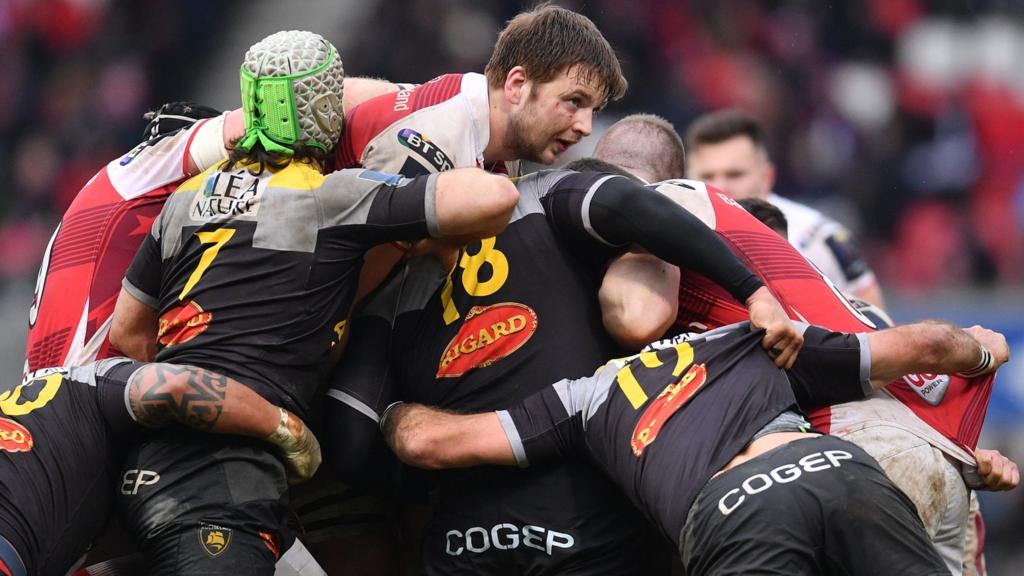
(984,366)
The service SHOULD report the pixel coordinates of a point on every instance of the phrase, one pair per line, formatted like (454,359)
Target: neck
(498,121)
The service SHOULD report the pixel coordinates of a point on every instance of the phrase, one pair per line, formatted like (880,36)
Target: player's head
(646,145)
(591,164)
(728,150)
(174,116)
(552,70)
(768,213)
(291,95)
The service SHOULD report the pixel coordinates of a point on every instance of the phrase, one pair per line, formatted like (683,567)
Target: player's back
(802,290)
(256,271)
(81,272)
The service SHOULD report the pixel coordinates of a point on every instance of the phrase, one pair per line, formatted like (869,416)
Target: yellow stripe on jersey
(298,176)
(631,388)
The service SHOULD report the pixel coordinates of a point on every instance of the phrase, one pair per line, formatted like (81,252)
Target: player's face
(554,115)
(735,166)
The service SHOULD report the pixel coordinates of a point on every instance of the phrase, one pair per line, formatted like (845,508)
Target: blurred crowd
(904,119)
(78,75)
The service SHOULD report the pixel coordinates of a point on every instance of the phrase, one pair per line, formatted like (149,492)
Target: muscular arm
(432,438)
(133,329)
(473,204)
(162,394)
(931,348)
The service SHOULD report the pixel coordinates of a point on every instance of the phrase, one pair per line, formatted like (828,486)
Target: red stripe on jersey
(344,154)
(49,351)
(77,242)
(188,146)
(436,91)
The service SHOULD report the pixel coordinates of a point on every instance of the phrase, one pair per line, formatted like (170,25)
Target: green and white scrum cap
(291,93)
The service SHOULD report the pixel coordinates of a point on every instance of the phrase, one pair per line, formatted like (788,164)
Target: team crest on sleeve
(215,539)
(14,437)
(488,334)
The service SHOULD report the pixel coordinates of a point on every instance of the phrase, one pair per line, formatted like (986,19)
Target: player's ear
(515,85)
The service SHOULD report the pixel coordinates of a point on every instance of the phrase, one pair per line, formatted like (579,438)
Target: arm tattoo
(163,393)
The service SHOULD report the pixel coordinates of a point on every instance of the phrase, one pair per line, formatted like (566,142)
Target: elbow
(500,197)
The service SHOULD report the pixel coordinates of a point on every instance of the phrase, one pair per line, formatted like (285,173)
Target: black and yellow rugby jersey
(254,275)
(662,422)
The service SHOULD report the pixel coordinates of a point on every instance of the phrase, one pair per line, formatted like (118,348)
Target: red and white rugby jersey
(431,127)
(86,258)
(948,411)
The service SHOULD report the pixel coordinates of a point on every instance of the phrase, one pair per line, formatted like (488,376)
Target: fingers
(783,343)
(998,472)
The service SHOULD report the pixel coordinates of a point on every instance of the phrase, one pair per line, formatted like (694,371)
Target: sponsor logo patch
(671,399)
(422,145)
(930,387)
(14,437)
(183,323)
(488,334)
(215,539)
(228,194)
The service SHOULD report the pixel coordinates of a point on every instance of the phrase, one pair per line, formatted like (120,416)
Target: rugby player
(924,443)
(703,433)
(728,151)
(250,272)
(63,433)
(475,336)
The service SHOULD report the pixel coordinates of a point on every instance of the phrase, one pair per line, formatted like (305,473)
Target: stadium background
(904,119)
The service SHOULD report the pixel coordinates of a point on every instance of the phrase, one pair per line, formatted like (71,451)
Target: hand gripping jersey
(517,311)
(92,246)
(61,439)
(431,127)
(826,243)
(662,422)
(253,275)
(947,410)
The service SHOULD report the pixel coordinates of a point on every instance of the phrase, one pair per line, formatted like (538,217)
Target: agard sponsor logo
(488,334)
(14,437)
(182,323)
(671,399)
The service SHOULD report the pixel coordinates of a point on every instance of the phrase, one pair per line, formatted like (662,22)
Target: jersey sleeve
(544,428)
(111,377)
(417,130)
(162,161)
(386,207)
(145,274)
(832,368)
(617,212)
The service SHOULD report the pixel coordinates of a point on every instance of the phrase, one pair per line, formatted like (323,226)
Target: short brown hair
(549,39)
(644,142)
(722,125)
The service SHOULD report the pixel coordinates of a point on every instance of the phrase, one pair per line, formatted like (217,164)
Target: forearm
(432,438)
(628,213)
(922,348)
(162,394)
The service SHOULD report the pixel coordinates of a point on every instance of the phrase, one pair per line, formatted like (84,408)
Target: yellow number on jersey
(471,265)
(631,387)
(218,238)
(9,400)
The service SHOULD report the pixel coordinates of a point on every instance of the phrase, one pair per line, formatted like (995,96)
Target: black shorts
(205,504)
(568,520)
(815,506)
(59,452)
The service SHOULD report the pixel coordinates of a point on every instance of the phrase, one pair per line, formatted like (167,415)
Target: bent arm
(133,329)
(639,298)
(161,394)
(473,204)
(431,438)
